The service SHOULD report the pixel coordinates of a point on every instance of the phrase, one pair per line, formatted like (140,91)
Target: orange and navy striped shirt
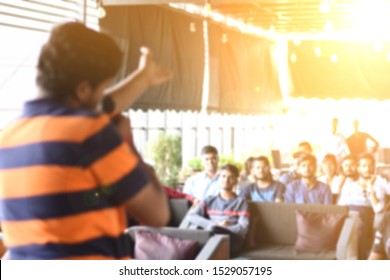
(65,176)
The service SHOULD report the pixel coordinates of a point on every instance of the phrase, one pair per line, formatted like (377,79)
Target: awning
(243,77)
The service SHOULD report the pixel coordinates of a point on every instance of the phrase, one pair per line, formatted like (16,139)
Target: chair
(213,246)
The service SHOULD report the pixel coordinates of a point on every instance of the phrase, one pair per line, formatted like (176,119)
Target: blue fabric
(201,186)
(269,194)
(298,192)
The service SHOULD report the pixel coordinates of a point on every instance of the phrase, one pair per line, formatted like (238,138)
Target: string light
(317,51)
(324,7)
(192,27)
(293,57)
(334,58)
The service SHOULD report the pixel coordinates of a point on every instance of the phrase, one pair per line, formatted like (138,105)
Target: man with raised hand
(68,177)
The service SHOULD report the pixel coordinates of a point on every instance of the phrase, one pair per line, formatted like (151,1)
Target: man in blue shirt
(308,189)
(265,188)
(205,183)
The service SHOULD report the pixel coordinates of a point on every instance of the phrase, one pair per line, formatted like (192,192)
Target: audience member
(358,142)
(329,171)
(246,176)
(205,183)
(308,189)
(75,175)
(225,212)
(367,196)
(293,174)
(381,247)
(336,143)
(305,147)
(264,188)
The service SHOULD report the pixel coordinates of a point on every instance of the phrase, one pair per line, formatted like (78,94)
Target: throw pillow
(157,246)
(318,231)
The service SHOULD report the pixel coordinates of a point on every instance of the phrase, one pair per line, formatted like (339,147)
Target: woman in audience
(329,174)
(224,213)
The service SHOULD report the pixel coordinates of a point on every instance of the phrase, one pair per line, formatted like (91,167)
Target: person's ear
(83,91)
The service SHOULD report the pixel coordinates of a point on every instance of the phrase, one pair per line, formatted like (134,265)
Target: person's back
(68,177)
(60,196)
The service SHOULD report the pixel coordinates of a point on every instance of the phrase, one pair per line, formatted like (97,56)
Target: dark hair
(305,145)
(367,156)
(349,157)
(298,154)
(232,169)
(309,157)
(75,53)
(209,150)
(266,161)
(330,157)
(248,165)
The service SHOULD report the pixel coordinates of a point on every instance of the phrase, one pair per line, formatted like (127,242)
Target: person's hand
(123,126)
(195,202)
(154,72)
(224,223)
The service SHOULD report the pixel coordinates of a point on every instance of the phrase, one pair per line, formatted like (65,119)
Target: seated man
(366,196)
(205,183)
(381,247)
(265,188)
(224,213)
(308,189)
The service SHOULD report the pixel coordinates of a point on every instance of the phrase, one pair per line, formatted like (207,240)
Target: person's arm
(289,194)
(133,184)
(376,143)
(328,199)
(150,206)
(197,217)
(280,191)
(378,248)
(242,225)
(126,92)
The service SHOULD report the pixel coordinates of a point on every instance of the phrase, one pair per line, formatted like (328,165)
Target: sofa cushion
(318,231)
(157,246)
(250,239)
(285,252)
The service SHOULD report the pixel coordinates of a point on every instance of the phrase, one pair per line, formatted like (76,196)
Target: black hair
(209,150)
(308,157)
(72,54)
(232,169)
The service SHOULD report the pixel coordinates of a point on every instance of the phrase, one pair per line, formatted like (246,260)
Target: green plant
(224,159)
(195,163)
(165,152)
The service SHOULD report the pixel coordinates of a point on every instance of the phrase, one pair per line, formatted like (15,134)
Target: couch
(212,246)
(275,232)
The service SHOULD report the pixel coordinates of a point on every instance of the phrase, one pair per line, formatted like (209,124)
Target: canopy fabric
(243,77)
(246,74)
(174,46)
(357,70)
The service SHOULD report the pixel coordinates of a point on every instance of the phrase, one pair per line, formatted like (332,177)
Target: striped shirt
(65,176)
(215,209)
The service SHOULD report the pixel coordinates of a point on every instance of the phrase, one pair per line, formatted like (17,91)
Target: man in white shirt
(205,183)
